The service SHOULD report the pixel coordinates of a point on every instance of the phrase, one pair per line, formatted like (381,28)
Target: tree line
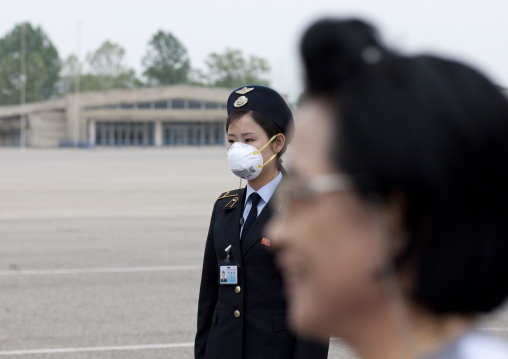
(165,62)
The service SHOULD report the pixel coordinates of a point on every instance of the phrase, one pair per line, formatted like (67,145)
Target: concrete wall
(110,97)
(46,129)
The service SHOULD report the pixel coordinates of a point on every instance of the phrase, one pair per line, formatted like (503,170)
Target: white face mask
(246,161)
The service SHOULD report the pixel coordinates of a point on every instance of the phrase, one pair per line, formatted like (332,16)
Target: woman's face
(328,247)
(246,130)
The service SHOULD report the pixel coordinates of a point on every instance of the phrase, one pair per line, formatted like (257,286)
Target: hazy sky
(473,30)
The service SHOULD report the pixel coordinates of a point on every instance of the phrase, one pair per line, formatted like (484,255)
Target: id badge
(228,274)
(228,270)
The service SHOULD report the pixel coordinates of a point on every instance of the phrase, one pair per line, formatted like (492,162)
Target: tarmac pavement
(101,251)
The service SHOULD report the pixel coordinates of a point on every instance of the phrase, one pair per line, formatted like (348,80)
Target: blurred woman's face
(328,244)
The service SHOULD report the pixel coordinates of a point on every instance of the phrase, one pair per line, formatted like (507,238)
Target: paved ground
(101,251)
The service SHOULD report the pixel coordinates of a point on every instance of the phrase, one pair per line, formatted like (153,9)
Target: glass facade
(9,137)
(124,134)
(193,133)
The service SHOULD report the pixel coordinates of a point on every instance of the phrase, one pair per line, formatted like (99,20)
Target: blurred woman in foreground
(394,231)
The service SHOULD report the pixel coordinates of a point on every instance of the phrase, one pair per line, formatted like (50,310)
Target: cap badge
(244,90)
(240,101)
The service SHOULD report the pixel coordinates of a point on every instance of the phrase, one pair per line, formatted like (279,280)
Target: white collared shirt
(265,192)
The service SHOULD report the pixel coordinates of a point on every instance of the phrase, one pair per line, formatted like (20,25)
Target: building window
(212,105)
(178,104)
(194,105)
(124,133)
(144,105)
(160,105)
(193,133)
(9,137)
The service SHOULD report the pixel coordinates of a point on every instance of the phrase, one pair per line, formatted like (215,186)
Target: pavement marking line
(98,270)
(96,349)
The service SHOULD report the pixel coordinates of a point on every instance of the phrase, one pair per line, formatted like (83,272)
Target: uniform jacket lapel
(231,226)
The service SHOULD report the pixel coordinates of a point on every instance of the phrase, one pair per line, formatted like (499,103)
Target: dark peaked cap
(264,100)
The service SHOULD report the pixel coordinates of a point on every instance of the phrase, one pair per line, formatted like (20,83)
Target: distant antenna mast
(22,92)
(76,87)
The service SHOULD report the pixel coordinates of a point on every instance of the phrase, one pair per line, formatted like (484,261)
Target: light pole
(22,92)
(76,88)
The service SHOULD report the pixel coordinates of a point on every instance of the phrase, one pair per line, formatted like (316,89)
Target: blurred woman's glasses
(308,190)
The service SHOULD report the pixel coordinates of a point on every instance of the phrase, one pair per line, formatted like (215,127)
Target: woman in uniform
(242,315)
(393,234)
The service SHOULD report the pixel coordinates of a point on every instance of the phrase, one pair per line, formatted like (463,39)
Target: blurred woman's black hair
(435,132)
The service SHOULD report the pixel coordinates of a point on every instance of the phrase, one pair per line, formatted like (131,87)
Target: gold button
(237,313)
(238,289)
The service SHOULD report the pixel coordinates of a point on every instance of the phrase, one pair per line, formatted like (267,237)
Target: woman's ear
(278,143)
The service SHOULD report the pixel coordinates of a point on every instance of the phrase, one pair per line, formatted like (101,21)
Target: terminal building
(158,116)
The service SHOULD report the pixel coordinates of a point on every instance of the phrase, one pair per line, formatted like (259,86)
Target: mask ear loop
(267,162)
(262,148)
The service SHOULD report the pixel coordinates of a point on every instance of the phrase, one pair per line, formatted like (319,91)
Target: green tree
(166,60)
(107,71)
(230,69)
(42,65)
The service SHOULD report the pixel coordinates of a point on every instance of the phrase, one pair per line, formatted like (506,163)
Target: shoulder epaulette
(232,198)
(232,193)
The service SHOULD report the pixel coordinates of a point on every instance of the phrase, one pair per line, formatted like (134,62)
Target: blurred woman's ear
(395,212)
(397,250)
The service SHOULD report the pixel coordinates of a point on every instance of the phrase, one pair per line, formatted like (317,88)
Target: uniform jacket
(247,320)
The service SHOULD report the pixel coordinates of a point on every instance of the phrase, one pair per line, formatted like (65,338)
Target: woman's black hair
(433,131)
(270,128)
